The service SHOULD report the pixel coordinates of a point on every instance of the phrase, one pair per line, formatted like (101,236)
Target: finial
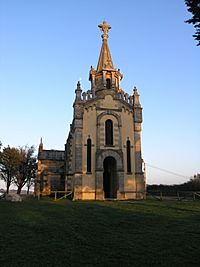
(104,27)
(41,145)
(136,97)
(78,91)
(135,90)
(78,87)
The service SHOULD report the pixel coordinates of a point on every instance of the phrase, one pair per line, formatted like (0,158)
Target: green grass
(66,233)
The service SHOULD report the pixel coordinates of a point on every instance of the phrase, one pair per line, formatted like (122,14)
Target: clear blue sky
(46,46)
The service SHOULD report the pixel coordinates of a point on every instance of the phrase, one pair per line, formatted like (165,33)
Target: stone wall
(50,174)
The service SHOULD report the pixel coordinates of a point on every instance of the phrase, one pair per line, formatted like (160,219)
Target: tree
(193,6)
(9,163)
(27,168)
(192,185)
(29,183)
(194,182)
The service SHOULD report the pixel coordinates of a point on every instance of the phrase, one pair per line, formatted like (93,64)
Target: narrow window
(108,84)
(128,151)
(89,154)
(109,132)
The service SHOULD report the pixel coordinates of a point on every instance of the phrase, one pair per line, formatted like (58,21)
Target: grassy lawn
(66,233)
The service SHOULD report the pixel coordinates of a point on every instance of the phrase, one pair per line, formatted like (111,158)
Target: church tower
(103,151)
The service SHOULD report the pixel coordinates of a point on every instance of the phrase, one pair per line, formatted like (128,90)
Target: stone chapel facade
(102,157)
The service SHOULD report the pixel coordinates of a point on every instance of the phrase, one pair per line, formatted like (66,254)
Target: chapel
(102,157)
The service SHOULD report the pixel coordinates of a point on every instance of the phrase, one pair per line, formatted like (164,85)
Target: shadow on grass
(66,233)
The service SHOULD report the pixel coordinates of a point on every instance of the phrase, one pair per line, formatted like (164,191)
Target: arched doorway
(110,178)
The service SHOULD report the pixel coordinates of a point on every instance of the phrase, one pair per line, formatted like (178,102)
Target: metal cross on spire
(104,27)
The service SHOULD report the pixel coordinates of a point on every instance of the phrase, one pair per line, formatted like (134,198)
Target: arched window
(109,132)
(128,153)
(108,84)
(89,154)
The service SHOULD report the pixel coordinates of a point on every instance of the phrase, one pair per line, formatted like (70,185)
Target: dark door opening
(110,178)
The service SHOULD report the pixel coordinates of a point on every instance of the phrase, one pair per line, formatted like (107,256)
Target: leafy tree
(27,168)
(194,183)
(17,166)
(9,163)
(193,6)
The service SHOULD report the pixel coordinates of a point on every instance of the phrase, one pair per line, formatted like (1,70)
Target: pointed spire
(41,145)
(105,59)
(105,76)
